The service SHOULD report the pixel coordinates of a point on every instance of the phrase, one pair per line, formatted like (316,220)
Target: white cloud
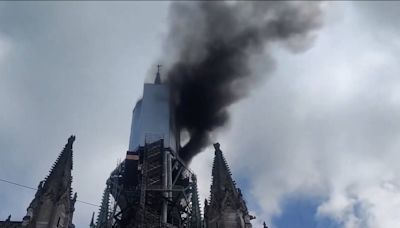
(326,126)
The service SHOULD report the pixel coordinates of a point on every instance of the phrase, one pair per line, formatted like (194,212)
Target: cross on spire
(158,77)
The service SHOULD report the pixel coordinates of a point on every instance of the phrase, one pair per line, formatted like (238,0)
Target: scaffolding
(163,195)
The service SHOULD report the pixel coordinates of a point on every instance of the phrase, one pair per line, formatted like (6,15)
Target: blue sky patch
(299,212)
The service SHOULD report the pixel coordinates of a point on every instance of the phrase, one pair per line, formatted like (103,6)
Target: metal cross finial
(158,77)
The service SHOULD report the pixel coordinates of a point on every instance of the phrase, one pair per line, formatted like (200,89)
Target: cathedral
(151,188)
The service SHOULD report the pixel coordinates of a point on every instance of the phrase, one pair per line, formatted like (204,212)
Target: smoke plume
(211,45)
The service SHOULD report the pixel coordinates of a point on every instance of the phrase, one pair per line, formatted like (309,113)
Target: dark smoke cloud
(211,44)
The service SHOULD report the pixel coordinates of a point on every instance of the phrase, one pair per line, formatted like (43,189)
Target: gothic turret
(53,205)
(226,207)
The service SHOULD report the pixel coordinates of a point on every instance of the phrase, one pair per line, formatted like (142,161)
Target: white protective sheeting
(151,119)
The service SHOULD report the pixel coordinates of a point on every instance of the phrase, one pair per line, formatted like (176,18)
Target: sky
(314,145)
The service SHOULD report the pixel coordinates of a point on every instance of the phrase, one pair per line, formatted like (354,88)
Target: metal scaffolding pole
(165,194)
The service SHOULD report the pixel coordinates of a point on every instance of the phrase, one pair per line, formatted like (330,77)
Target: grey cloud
(326,125)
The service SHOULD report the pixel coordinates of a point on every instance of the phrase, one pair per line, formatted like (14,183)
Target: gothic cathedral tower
(53,205)
(226,208)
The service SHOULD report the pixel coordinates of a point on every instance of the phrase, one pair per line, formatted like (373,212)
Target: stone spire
(103,217)
(226,207)
(60,172)
(222,182)
(196,214)
(53,205)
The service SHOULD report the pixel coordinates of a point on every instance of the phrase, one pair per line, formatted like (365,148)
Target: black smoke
(211,45)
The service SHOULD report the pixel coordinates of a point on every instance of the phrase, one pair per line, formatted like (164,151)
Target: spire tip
(217,146)
(158,77)
(71,140)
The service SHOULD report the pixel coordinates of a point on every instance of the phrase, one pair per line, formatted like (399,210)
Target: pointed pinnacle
(92,221)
